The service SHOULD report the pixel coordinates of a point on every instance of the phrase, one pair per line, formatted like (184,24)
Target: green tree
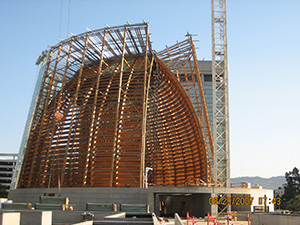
(293,184)
(294,204)
(292,189)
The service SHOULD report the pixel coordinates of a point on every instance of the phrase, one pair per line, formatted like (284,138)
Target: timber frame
(109,107)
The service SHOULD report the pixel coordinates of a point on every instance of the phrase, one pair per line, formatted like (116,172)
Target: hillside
(266,183)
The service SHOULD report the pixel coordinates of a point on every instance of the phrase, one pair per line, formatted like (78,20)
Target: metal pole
(115,149)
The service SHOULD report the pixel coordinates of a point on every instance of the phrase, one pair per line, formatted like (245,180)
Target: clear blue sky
(263,51)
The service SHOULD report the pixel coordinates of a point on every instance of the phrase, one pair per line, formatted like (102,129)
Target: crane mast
(221,170)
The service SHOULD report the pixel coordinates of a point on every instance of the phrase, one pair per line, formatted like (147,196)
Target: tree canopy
(293,184)
(291,197)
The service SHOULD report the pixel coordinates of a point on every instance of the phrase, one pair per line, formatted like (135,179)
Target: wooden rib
(74,102)
(143,147)
(60,105)
(91,133)
(114,150)
(203,102)
(51,122)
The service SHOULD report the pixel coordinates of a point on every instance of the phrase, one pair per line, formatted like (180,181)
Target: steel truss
(108,107)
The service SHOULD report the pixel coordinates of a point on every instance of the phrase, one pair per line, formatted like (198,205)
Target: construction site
(101,92)
(118,127)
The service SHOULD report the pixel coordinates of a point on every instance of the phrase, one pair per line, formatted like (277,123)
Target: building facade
(7,166)
(192,89)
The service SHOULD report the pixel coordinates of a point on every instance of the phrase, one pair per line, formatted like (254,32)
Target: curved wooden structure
(108,108)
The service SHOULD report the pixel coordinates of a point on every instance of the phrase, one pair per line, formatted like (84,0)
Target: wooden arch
(106,110)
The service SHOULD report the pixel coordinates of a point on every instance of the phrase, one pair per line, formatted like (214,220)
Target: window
(207,78)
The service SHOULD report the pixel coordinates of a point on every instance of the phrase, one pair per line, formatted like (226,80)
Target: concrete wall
(9,218)
(273,219)
(76,216)
(85,223)
(80,196)
(244,202)
(196,204)
(201,197)
(37,217)
(200,205)
(32,217)
(261,193)
(252,192)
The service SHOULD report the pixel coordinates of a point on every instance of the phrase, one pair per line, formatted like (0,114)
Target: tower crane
(220,94)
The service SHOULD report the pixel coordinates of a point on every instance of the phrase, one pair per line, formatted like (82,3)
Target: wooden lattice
(108,108)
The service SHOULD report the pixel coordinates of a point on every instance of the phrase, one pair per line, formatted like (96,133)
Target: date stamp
(243,201)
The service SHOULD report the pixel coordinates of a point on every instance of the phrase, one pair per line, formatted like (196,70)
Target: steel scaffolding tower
(220,94)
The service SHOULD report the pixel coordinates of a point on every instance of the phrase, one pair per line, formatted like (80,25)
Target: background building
(280,191)
(192,89)
(7,166)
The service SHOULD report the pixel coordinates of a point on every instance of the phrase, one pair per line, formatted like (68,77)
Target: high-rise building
(190,85)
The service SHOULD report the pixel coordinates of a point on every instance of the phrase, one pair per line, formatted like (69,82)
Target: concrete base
(162,200)
(76,216)
(84,223)
(9,218)
(34,217)
(274,219)
(198,200)
(80,196)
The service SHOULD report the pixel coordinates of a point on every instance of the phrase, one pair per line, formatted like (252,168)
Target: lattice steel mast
(220,94)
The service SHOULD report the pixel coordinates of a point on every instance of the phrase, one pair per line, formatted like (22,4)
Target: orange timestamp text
(243,201)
